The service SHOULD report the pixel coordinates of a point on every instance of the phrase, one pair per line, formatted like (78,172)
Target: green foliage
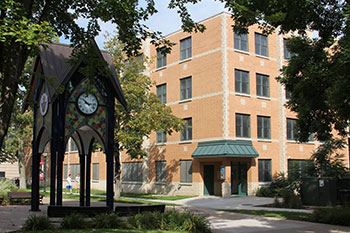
(37,223)
(318,77)
(5,187)
(335,215)
(107,221)
(327,162)
(170,220)
(145,113)
(264,192)
(290,200)
(75,221)
(147,220)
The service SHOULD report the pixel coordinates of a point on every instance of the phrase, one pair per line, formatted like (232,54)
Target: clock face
(87,103)
(44,104)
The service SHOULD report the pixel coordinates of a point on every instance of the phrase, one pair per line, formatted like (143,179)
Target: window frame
(95,175)
(264,173)
(131,177)
(291,129)
(162,93)
(264,127)
(241,125)
(186,171)
(186,48)
(161,59)
(186,88)
(186,133)
(262,90)
(160,167)
(161,137)
(240,41)
(259,44)
(240,80)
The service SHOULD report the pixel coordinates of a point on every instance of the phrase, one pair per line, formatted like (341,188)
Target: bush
(147,220)
(170,220)
(107,221)
(74,221)
(36,223)
(290,200)
(5,187)
(264,192)
(335,215)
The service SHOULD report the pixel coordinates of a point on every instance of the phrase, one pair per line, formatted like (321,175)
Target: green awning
(225,148)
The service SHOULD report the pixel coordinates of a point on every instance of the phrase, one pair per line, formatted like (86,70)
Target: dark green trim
(225,148)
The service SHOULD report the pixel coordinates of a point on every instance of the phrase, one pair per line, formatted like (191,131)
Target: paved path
(13,217)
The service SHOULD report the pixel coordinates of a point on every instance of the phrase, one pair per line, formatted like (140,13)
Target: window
(186,88)
(186,171)
(242,81)
(262,85)
(241,41)
(161,59)
(311,138)
(2,175)
(65,171)
(242,125)
(261,45)
(287,54)
(161,93)
(265,170)
(296,167)
(160,136)
(185,48)
(132,171)
(186,133)
(74,170)
(160,171)
(264,127)
(95,171)
(291,129)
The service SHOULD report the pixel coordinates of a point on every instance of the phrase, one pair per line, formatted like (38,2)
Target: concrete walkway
(13,217)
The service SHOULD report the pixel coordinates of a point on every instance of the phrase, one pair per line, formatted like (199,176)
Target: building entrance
(208,179)
(239,178)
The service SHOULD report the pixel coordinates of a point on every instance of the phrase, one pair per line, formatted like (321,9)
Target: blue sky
(166,20)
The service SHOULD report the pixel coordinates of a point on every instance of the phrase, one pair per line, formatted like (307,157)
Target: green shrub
(35,223)
(107,221)
(75,221)
(290,199)
(170,220)
(147,220)
(5,187)
(335,215)
(264,192)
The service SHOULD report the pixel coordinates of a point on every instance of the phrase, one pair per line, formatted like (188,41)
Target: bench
(62,211)
(22,195)
(137,209)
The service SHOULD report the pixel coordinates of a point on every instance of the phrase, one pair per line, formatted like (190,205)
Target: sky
(166,20)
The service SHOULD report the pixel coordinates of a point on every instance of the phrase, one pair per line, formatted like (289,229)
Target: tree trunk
(13,59)
(117,175)
(22,172)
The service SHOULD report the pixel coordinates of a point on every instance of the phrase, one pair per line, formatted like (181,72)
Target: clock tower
(72,103)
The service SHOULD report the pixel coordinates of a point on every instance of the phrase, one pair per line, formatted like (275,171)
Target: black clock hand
(87,102)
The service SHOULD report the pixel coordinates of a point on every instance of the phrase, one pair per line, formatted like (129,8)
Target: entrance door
(239,178)
(208,179)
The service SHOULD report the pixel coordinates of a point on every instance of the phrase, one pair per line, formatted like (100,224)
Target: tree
(144,114)
(318,76)
(26,24)
(18,141)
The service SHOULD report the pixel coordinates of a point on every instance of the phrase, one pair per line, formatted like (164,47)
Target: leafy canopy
(318,77)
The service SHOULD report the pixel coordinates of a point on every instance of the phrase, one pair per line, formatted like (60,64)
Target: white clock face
(44,104)
(87,103)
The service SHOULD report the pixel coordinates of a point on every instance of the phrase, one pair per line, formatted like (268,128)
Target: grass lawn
(121,200)
(105,230)
(158,197)
(275,214)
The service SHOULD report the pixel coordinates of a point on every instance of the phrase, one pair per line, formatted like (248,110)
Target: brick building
(237,133)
